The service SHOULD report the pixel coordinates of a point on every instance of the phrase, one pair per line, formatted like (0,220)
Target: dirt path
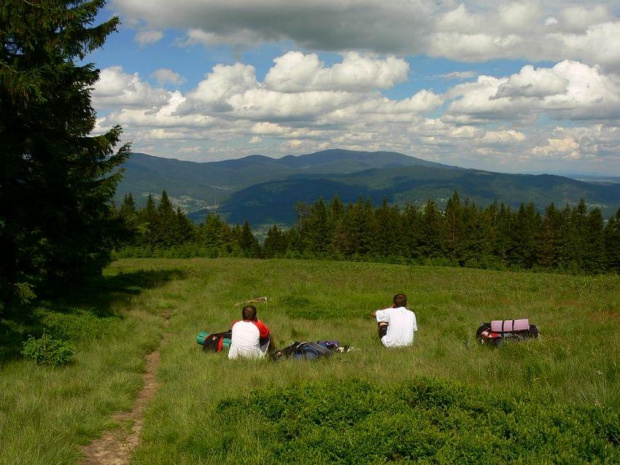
(116,446)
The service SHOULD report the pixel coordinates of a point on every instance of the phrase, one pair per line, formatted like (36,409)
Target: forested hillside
(575,239)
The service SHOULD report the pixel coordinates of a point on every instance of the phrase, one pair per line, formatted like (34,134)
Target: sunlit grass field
(209,409)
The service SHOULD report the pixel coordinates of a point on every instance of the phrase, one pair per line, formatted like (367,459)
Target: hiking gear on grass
(497,331)
(308,350)
(215,342)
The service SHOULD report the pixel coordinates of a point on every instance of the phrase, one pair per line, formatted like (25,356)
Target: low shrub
(424,420)
(77,325)
(47,350)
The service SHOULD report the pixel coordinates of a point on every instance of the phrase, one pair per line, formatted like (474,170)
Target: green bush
(77,325)
(425,420)
(48,351)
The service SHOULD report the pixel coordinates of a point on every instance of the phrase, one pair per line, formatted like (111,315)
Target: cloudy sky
(511,86)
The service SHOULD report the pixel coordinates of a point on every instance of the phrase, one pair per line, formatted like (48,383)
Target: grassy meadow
(444,400)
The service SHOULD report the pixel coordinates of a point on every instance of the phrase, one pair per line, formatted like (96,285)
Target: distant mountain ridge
(264,190)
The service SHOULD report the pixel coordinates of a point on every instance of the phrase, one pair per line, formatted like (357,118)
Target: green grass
(208,409)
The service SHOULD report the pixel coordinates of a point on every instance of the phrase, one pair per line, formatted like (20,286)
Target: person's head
(249,313)
(400,300)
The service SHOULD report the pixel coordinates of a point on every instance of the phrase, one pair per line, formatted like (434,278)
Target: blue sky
(513,86)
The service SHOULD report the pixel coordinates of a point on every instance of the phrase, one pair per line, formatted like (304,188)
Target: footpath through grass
(444,400)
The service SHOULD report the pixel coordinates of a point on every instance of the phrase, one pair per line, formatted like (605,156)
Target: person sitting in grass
(250,336)
(396,324)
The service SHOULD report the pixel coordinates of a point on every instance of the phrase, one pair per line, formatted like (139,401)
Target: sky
(511,86)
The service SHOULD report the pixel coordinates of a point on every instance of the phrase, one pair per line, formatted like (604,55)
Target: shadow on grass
(96,298)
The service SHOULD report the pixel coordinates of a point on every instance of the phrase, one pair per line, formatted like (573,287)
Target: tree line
(570,238)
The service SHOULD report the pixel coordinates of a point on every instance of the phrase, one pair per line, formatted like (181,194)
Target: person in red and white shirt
(250,337)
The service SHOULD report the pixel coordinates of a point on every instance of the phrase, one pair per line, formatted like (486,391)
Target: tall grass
(574,363)
(46,412)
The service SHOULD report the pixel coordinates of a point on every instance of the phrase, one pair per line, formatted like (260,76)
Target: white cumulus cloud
(167,76)
(148,37)
(569,90)
(566,147)
(117,88)
(295,72)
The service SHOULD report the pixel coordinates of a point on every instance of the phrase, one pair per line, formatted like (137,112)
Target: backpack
(307,350)
(497,331)
(217,341)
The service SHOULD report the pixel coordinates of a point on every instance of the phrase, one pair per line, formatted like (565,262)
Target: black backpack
(217,341)
(307,350)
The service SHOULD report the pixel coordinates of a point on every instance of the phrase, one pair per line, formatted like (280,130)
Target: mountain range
(264,190)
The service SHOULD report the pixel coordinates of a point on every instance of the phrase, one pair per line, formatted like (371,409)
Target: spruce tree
(183,228)
(209,233)
(579,239)
(477,235)
(248,243)
(56,181)
(502,224)
(369,232)
(455,228)
(128,216)
(594,254)
(389,235)
(275,243)
(525,237)
(432,231)
(163,229)
(148,218)
(565,240)
(336,215)
(552,219)
(612,242)
(318,234)
(411,221)
(352,226)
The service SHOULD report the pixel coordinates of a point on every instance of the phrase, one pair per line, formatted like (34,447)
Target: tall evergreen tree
(148,217)
(525,237)
(432,231)
(565,240)
(353,227)
(594,253)
(248,243)
(478,235)
(318,233)
(128,215)
(388,231)
(612,242)
(336,216)
(210,233)
(56,181)
(165,220)
(579,220)
(128,206)
(411,220)
(228,237)
(503,223)
(547,256)
(183,228)
(455,228)
(275,243)
(368,229)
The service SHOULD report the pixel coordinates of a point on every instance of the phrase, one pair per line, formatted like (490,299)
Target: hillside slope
(274,202)
(265,190)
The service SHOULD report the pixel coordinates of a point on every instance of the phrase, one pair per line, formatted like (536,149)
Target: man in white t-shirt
(250,336)
(396,324)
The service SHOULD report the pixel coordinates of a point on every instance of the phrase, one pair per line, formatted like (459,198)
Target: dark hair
(400,300)
(249,312)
